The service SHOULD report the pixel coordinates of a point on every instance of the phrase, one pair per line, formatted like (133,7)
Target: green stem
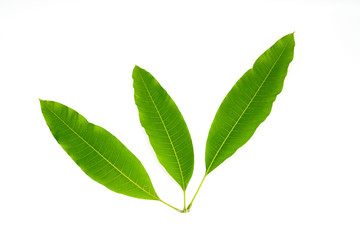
(188,208)
(184,202)
(170,205)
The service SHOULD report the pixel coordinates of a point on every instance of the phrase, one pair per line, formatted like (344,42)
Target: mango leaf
(97,152)
(165,126)
(248,103)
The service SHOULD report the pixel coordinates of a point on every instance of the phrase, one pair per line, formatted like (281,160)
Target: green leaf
(165,126)
(248,103)
(97,152)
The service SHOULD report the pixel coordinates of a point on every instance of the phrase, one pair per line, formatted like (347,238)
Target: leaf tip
(291,35)
(136,69)
(41,101)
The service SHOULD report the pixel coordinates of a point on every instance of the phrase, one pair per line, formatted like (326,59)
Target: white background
(297,178)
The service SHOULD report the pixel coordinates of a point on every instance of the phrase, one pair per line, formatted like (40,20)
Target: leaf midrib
(102,156)
(166,130)
(251,100)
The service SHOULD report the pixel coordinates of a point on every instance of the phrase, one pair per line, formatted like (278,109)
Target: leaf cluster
(107,160)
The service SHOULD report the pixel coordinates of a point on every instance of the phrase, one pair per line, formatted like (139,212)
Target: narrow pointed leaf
(97,152)
(248,103)
(165,126)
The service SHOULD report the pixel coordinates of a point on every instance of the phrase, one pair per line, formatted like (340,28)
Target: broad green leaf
(97,152)
(248,103)
(165,126)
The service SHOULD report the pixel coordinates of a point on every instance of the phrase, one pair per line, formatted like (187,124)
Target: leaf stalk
(188,208)
(184,202)
(170,206)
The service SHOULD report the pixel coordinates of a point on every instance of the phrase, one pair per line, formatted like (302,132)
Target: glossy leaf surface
(97,152)
(165,126)
(248,103)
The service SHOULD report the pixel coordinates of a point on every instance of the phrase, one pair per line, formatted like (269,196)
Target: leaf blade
(248,103)
(85,144)
(165,126)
